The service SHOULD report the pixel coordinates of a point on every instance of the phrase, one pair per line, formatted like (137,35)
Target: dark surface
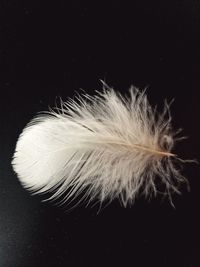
(50,51)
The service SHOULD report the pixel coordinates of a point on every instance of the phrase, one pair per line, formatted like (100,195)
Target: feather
(104,147)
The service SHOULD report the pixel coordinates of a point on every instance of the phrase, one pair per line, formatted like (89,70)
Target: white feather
(107,146)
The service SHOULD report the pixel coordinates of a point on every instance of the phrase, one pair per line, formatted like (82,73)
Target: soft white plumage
(106,146)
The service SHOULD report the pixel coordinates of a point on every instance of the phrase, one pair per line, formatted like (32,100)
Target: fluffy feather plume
(107,146)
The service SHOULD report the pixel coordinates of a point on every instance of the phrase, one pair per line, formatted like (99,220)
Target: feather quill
(107,146)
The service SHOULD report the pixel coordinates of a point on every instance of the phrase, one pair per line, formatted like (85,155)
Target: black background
(52,49)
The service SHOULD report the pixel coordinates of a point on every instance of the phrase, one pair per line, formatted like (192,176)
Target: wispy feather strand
(107,146)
